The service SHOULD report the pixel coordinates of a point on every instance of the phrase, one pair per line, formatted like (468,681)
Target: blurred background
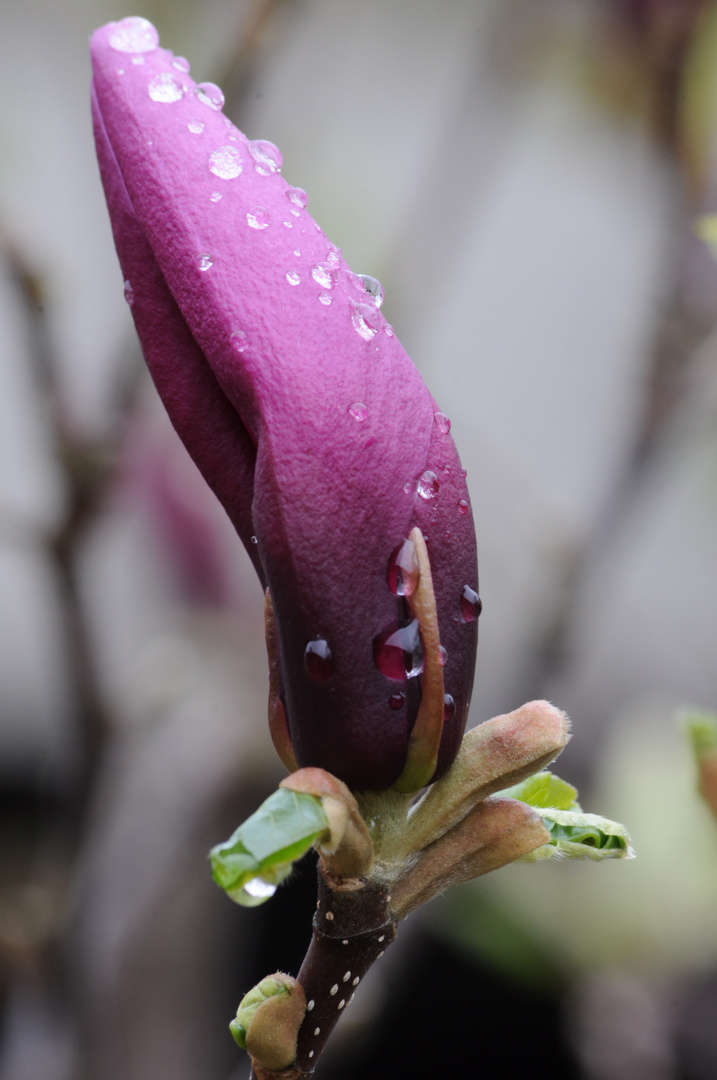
(525,179)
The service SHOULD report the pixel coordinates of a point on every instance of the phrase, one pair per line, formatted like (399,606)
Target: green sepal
(545,790)
(264,847)
(701,728)
(576,835)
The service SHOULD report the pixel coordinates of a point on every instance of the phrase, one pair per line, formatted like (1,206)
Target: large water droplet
(196,127)
(205,262)
(366,320)
(359,411)
(128,292)
(398,652)
(462,507)
(373,288)
(260,890)
(402,574)
(226,162)
(257,218)
(442,422)
(428,485)
(181,64)
(164,87)
(471,604)
(267,157)
(298,196)
(324,275)
(293,277)
(133,35)
(319,660)
(239,340)
(210,94)
(449,708)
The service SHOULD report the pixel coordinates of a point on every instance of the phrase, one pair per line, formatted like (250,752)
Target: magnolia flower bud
(305,415)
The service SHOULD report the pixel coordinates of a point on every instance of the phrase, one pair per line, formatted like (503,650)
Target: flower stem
(352,928)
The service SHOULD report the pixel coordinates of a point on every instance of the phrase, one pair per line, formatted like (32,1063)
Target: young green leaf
(545,790)
(260,853)
(576,835)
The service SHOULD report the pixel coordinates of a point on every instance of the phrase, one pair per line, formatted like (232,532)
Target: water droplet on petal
(398,651)
(293,277)
(366,320)
(408,488)
(181,64)
(257,218)
(402,574)
(462,507)
(196,127)
(471,604)
(164,87)
(259,889)
(390,332)
(128,292)
(239,340)
(464,473)
(254,540)
(397,701)
(289,224)
(319,660)
(324,275)
(210,94)
(226,162)
(297,252)
(359,411)
(267,157)
(205,262)
(374,288)
(215,196)
(428,485)
(137,59)
(449,708)
(133,35)
(298,196)
(334,257)
(442,422)
(325,298)
(120,71)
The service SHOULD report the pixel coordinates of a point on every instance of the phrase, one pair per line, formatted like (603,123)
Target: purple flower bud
(300,407)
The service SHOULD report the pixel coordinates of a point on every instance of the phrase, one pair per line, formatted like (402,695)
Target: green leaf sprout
(260,854)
